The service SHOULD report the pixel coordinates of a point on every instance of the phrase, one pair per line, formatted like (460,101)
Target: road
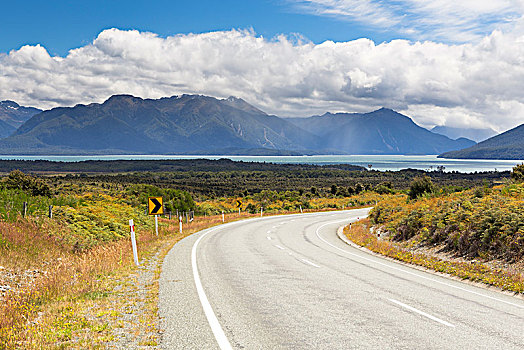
(288,282)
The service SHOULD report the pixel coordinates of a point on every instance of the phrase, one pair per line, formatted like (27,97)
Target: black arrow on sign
(157,205)
(239,203)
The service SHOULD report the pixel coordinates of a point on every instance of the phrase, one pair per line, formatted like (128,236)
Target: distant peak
(9,103)
(234,99)
(239,103)
(122,97)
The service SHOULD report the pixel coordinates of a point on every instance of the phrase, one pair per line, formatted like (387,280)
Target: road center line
(279,247)
(220,336)
(410,308)
(310,263)
(408,272)
(268,238)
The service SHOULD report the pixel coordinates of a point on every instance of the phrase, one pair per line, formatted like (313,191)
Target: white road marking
(268,238)
(220,336)
(268,232)
(310,263)
(409,272)
(410,308)
(280,247)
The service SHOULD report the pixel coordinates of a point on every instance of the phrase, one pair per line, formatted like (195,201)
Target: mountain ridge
(508,145)
(474,134)
(184,124)
(12,116)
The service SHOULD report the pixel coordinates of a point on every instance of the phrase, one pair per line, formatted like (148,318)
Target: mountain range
(383,131)
(195,124)
(508,145)
(12,116)
(474,134)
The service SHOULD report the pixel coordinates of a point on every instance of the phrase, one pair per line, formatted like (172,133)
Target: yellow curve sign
(155,206)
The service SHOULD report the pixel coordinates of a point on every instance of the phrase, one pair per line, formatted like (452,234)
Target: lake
(377,162)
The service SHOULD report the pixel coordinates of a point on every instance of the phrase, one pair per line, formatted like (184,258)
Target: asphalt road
(289,282)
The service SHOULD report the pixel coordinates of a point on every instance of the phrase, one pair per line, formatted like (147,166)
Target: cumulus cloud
(438,20)
(477,85)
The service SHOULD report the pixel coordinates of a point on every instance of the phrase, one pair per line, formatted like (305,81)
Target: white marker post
(261,211)
(133,241)
(300,209)
(180,221)
(156,224)
(223,218)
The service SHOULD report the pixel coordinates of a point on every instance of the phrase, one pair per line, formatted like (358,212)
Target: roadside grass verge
(476,271)
(63,297)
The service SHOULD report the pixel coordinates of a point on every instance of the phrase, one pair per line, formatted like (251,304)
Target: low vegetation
(481,229)
(59,274)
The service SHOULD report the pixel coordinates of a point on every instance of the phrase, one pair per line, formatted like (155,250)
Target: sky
(444,62)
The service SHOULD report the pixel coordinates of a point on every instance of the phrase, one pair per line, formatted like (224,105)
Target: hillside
(380,132)
(12,116)
(508,145)
(179,124)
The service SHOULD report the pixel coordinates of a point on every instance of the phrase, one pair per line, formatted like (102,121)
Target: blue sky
(441,62)
(62,25)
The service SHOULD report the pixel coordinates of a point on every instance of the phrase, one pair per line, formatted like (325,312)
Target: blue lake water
(377,162)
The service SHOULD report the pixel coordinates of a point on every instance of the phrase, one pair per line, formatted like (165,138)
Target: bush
(27,183)
(518,173)
(420,186)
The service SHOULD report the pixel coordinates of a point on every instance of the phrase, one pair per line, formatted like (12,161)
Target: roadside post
(301,210)
(223,218)
(50,211)
(25,209)
(180,223)
(155,207)
(261,211)
(133,241)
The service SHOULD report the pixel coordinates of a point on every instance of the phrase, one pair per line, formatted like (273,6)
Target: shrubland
(478,232)
(54,269)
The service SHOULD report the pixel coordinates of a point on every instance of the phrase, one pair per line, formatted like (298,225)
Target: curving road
(288,282)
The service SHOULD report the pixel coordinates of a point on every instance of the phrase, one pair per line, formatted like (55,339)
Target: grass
(468,270)
(72,302)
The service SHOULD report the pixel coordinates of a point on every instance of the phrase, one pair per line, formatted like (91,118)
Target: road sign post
(133,241)
(155,207)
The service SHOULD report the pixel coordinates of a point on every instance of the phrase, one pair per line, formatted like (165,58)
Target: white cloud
(457,85)
(442,20)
